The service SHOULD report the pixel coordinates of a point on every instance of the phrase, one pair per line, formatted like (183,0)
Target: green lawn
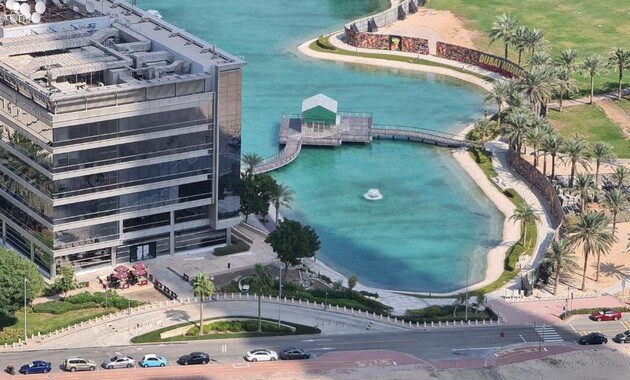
(45,323)
(624,104)
(584,25)
(591,122)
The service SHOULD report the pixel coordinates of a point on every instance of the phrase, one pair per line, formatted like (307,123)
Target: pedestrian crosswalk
(547,333)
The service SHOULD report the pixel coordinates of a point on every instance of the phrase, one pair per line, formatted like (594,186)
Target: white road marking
(522,337)
(315,340)
(475,348)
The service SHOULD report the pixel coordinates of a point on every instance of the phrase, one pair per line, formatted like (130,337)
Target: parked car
(37,366)
(294,353)
(194,358)
(78,364)
(152,360)
(261,354)
(623,337)
(605,315)
(119,362)
(593,338)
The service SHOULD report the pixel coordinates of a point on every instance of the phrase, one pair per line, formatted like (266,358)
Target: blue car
(38,366)
(152,360)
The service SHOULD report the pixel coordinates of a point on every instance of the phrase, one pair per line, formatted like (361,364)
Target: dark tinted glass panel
(42,207)
(193,213)
(145,222)
(25,221)
(86,235)
(133,151)
(26,172)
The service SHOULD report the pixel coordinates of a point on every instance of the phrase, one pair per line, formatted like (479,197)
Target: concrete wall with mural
(478,58)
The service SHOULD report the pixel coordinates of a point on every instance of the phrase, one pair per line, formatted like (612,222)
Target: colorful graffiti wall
(386,42)
(477,58)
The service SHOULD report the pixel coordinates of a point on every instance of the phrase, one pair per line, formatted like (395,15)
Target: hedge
(60,307)
(230,249)
(237,326)
(324,44)
(114,300)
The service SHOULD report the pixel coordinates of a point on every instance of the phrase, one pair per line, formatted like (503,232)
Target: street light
(279,294)
(326,302)
(25,324)
(466,302)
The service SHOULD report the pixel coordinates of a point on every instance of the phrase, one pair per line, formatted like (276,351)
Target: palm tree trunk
(620,81)
(520,53)
(592,85)
(553,165)
(536,157)
(614,223)
(201,315)
(524,226)
(560,101)
(572,174)
(277,212)
(506,50)
(259,316)
(596,173)
(597,273)
(584,270)
(545,164)
(555,284)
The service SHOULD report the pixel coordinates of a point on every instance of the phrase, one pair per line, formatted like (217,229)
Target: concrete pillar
(113,256)
(32,251)
(4,233)
(172,234)
(228,235)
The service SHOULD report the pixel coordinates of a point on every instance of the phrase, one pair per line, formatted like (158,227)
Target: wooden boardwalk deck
(353,128)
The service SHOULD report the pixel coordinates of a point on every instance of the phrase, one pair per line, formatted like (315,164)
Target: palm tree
(540,59)
(519,40)
(568,60)
(202,287)
(560,256)
(503,29)
(620,175)
(592,232)
(620,59)
(535,39)
(593,65)
(281,195)
(564,85)
(615,200)
(601,152)
(525,214)
(262,281)
(576,150)
(518,123)
(498,95)
(251,160)
(553,144)
(534,137)
(537,86)
(584,185)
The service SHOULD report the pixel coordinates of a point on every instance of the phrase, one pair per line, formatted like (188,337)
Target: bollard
(431,323)
(425,324)
(439,323)
(381,317)
(417,324)
(388,318)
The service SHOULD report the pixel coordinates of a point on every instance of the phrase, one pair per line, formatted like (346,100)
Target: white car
(261,354)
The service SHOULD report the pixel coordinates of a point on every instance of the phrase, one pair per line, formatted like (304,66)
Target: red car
(605,315)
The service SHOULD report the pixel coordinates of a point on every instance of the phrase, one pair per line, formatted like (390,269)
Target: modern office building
(120,135)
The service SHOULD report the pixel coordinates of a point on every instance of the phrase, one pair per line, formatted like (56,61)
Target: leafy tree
(480,298)
(525,214)
(615,200)
(460,300)
(13,270)
(560,256)
(584,185)
(292,241)
(592,232)
(619,59)
(256,193)
(503,29)
(593,64)
(281,195)
(352,282)
(202,287)
(577,151)
(65,281)
(251,160)
(601,152)
(262,281)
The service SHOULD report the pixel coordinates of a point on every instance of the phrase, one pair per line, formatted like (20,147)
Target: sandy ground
(435,26)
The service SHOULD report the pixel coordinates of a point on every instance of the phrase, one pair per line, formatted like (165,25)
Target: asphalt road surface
(328,351)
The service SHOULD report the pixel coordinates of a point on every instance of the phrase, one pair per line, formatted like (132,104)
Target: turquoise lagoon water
(432,216)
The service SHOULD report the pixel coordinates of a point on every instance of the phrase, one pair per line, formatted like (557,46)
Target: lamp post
(466,302)
(25,324)
(326,302)
(279,294)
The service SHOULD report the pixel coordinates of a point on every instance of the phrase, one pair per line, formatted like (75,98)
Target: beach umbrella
(121,275)
(121,268)
(139,272)
(140,266)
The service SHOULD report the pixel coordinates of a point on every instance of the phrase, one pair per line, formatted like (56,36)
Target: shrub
(114,300)
(368,294)
(323,43)
(230,249)
(237,327)
(61,307)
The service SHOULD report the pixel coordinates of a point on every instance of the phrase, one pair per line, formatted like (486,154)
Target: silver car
(119,362)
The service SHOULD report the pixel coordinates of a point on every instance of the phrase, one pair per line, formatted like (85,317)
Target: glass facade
(229,144)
